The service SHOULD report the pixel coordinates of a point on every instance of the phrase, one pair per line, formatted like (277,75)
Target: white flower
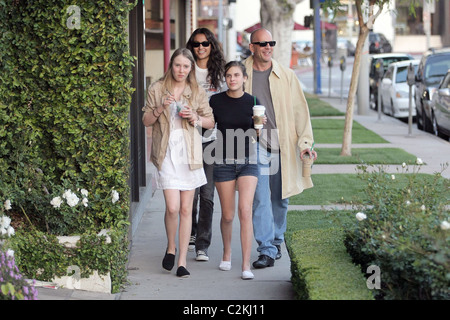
(3,231)
(67,194)
(84,192)
(4,222)
(10,253)
(7,204)
(72,200)
(10,231)
(56,202)
(419,161)
(115,196)
(361,216)
(84,202)
(408,202)
(422,207)
(393,177)
(445,225)
(403,165)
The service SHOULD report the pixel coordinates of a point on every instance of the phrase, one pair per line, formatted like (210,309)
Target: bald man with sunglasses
(285,139)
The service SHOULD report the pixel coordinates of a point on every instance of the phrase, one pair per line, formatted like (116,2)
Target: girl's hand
(168,100)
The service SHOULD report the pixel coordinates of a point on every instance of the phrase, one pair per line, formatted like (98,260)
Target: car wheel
(434,125)
(426,123)
(419,120)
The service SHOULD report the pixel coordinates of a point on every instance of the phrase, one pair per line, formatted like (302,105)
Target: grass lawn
(319,108)
(332,131)
(342,188)
(366,155)
(330,189)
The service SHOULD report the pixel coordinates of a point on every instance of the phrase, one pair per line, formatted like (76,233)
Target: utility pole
(317,47)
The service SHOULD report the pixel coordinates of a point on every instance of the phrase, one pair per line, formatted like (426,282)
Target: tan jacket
(161,128)
(293,124)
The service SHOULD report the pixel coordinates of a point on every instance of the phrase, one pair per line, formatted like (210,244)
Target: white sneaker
(247,275)
(225,265)
(201,256)
(191,246)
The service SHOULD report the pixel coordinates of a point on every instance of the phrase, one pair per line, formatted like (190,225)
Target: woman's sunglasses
(197,44)
(264,43)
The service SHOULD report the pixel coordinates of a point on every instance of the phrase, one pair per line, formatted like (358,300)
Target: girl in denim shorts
(235,165)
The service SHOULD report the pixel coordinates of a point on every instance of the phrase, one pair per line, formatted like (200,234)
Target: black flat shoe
(263,262)
(182,272)
(168,261)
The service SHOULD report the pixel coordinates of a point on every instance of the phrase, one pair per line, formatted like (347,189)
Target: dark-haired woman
(209,72)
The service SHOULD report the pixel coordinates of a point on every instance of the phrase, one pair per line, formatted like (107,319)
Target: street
(306,77)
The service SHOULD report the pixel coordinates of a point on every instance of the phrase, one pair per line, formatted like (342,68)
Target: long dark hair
(216,60)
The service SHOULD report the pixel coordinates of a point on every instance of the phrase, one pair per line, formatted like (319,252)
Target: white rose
(419,161)
(56,202)
(84,202)
(361,216)
(84,192)
(10,231)
(115,196)
(72,200)
(4,222)
(445,225)
(10,253)
(7,204)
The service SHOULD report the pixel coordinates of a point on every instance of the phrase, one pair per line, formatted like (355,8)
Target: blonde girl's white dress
(175,172)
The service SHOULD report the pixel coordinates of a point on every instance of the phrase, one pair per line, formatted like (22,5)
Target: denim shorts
(232,169)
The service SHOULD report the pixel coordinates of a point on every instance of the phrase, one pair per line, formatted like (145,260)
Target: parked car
(387,59)
(346,45)
(440,105)
(378,43)
(395,90)
(432,68)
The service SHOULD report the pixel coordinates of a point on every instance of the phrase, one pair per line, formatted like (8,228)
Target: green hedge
(404,231)
(321,268)
(65,93)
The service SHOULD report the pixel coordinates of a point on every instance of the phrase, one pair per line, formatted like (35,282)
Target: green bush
(65,93)
(404,231)
(64,101)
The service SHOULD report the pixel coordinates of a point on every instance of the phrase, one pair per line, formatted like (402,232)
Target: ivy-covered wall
(65,94)
(65,75)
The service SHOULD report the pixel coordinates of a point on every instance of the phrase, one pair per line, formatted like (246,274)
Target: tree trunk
(277,16)
(363,33)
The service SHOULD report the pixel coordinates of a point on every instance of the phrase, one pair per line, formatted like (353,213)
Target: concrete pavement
(147,279)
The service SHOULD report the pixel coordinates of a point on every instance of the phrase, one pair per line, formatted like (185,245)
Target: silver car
(440,116)
(395,90)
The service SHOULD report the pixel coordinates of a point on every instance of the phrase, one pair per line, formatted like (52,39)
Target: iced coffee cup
(307,164)
(258,115)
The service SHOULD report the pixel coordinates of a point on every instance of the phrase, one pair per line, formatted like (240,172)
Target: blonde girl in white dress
(176,106)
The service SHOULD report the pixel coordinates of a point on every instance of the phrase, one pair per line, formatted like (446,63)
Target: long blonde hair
(167,79)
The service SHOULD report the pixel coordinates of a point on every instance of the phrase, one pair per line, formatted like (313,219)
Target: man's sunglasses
(264,43)
(197,44)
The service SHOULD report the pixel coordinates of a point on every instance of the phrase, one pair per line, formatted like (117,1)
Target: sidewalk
(147,280)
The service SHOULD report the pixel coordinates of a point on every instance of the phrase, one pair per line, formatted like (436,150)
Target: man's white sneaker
(191,246)
(201,256)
